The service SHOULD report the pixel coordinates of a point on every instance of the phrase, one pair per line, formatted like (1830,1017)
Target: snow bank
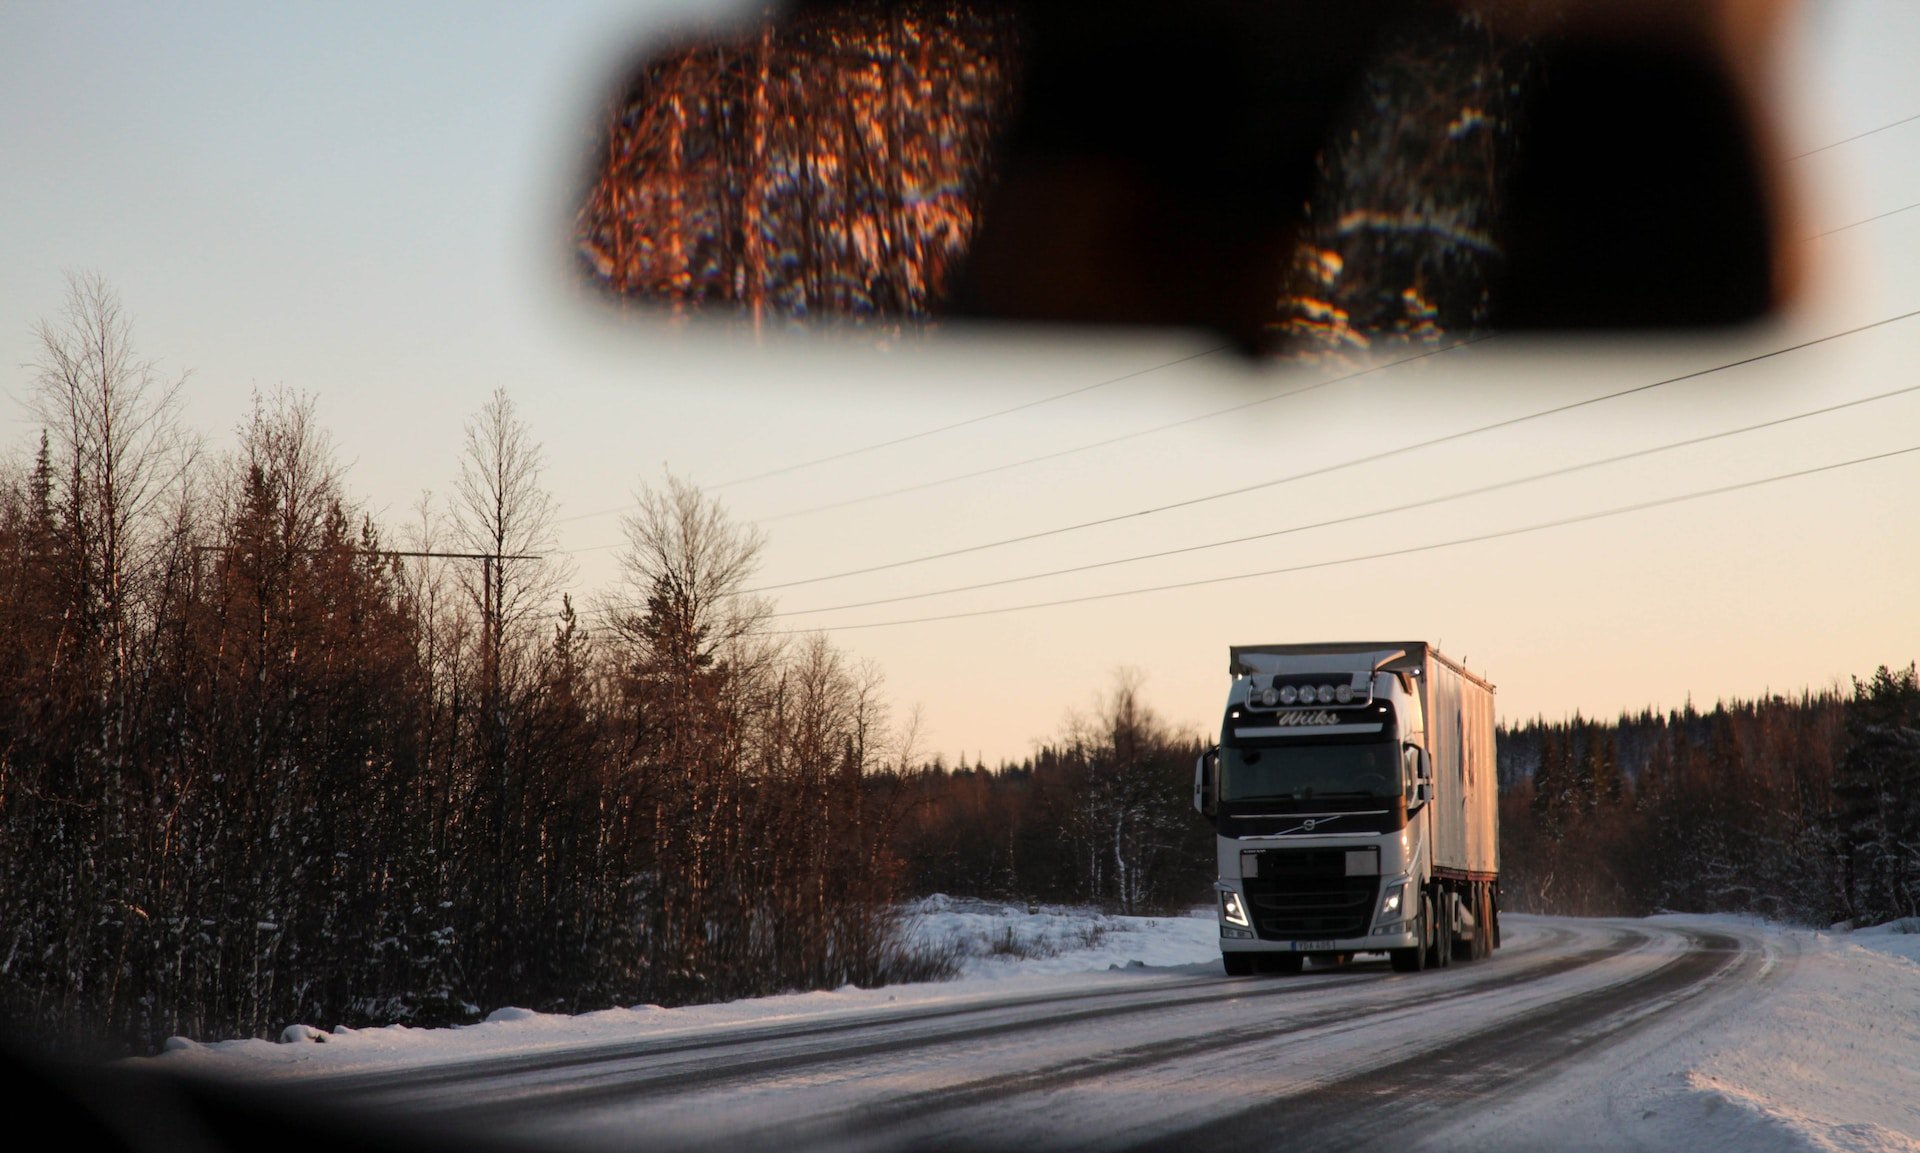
(996,941)
(1735,1118)
(1899,938)
(1819,1054)
(1830,1055)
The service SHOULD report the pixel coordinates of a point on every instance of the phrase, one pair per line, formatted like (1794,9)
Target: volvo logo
(1302,718)
(1311,823)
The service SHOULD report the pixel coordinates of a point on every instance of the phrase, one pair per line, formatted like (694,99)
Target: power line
(1351,518)
(589,516)
(964,423)
(1088,447)
(1861,136)
(921,435)
(1858,223)
(385,552)
(1561,522)
(1404,449)
(1373,458)
(1124,437)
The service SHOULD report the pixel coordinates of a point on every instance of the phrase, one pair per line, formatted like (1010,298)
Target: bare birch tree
(504,516)
(112,419)
(502,513)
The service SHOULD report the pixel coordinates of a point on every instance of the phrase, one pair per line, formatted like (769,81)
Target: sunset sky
(370,203)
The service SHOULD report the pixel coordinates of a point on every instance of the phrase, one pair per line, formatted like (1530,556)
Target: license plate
(1313,946)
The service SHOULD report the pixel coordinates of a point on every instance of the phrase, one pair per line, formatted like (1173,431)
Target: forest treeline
(1805,809)
(264,760)
(1102,816)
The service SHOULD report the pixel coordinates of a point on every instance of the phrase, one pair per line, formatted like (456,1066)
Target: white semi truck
(1356,804)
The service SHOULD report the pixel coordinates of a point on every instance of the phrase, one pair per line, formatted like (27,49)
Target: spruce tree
(1878,788)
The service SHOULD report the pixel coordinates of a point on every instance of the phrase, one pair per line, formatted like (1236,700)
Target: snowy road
(1489,1053)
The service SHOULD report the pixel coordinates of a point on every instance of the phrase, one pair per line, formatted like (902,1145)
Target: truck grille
(1308,896)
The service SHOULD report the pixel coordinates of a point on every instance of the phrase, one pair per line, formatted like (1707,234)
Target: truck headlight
(1390,904)
(1232,911)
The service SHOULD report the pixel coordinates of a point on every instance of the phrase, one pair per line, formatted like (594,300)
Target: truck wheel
(1237,964)
(1468,948)
(1415,959)
(1441,954)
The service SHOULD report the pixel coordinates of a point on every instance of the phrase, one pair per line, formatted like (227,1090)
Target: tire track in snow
(1385,1106)
(627,1093)
(742,1052)
(895,1114)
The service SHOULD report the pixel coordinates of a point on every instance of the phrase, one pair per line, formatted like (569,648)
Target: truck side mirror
(1419,772)
(1206,782)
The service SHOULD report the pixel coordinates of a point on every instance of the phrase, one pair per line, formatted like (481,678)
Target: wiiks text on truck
(1355,800)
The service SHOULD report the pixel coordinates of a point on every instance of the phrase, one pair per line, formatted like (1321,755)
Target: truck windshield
(1302,772)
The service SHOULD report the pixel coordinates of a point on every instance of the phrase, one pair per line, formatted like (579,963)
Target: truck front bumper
(1395,935)
(1238,935)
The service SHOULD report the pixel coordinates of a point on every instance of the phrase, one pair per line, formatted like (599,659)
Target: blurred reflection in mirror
(1300,177)
(826,166)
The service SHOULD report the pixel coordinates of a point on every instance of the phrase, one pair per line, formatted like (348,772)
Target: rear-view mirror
(1300,178)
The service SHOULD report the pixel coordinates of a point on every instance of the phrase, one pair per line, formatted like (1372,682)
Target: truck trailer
(1355,801)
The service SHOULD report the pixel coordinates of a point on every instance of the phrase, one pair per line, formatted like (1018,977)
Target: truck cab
(1323,795)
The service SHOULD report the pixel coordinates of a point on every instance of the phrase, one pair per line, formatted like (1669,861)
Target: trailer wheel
(1415,959)
(1483,931)
(1237,964)
(1477,944)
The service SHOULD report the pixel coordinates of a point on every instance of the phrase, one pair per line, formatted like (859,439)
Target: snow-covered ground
(1828,1056)
(1003,942)
(1821,1053)
(1003,950)
(1817,1047)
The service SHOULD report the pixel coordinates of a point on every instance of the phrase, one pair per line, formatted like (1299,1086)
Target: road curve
(1349,1058)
